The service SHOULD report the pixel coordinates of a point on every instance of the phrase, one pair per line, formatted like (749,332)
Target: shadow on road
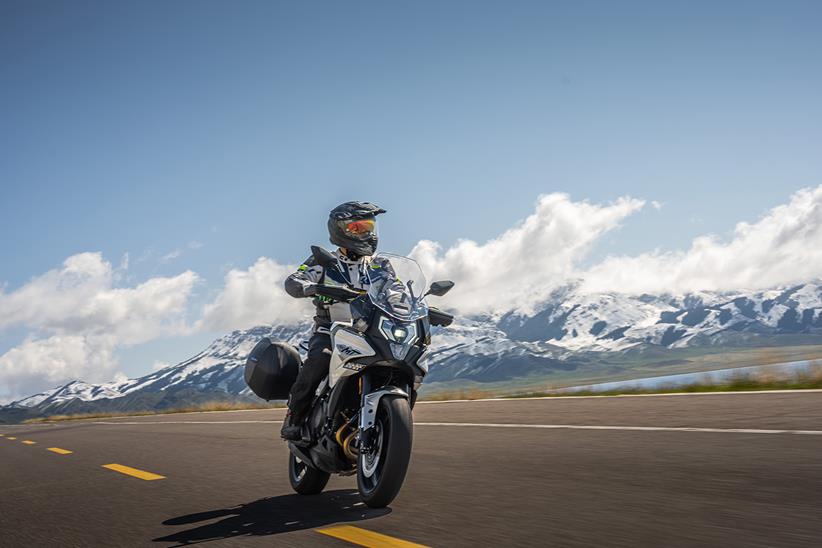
(271,516)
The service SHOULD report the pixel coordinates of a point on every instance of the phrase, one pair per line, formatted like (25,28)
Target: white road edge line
(117,420)
(538,426)
(557,398)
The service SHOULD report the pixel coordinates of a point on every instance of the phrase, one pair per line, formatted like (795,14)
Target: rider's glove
(311,291)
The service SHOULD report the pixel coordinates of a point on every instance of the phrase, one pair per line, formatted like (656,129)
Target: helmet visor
(359,229)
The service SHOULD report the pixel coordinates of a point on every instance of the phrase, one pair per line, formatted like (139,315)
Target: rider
(353,227)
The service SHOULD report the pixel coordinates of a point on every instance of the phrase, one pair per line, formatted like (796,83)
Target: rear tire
(380,475)
(305,479)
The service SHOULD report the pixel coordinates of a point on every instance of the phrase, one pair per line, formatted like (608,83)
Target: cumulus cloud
(38,364)
(783,247)
(77,317)
(254,296)
(520,267)
(80,297)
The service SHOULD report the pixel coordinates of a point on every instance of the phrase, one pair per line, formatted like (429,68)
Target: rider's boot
(291,430)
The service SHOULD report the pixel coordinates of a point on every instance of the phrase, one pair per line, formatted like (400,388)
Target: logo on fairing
(353,366)
(347,350)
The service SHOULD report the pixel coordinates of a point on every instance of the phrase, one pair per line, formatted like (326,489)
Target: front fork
(369,403)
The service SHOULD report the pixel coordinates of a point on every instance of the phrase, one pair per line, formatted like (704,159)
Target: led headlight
(402,333)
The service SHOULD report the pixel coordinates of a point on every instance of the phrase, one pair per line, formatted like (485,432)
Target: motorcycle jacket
(351,272)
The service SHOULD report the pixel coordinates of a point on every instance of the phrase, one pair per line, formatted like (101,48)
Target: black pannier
(271,369)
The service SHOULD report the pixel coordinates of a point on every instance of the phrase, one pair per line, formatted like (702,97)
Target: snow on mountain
(73,390)
(567,325)
(215,373)
(611,321)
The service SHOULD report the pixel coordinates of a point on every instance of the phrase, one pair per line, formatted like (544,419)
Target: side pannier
(271,369)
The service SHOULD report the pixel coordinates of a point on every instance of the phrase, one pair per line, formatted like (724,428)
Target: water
(686,379)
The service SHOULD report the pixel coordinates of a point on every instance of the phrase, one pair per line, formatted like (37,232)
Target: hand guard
(310,290)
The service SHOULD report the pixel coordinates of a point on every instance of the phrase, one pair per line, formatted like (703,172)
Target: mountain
(215,374)
(612,321)
(569,330)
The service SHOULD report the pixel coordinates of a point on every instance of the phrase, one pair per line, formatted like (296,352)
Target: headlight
(402,333)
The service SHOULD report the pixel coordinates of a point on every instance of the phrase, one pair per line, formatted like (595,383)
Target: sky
(164,164)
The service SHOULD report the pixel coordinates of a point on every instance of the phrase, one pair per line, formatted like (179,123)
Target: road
(695,470)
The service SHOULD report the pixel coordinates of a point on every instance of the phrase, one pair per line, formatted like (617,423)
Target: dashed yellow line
(60,451)
(29,442)
(364,537)
(11,438)
(129,471)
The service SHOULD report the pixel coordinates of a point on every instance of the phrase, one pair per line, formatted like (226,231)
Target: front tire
(305,479)
(381,472)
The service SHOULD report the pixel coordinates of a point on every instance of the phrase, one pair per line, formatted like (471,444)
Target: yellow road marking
(29,442)
(60,451)
(11,438)
(129,471)
(363,537)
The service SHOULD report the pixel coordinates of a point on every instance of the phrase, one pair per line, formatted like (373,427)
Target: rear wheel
(305,479)
(381,470)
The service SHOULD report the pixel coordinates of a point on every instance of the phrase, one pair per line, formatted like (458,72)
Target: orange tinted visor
(360,227)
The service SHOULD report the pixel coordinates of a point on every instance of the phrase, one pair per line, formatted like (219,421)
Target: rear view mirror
(323,257)
(440,288)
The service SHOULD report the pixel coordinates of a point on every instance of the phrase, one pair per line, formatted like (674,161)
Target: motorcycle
(360,419)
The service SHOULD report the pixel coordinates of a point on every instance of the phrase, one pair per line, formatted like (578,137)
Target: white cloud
(157,365)
(80,297)
(171,255)
(519,267)
(254,296)
(39,364)
(783,247)
(78,315)
(81,317)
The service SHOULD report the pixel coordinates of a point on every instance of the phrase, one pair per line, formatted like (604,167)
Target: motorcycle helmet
(353,227)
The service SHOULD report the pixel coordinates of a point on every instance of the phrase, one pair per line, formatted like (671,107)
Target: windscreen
(397,286)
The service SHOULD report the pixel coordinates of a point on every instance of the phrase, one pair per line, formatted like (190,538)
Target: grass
(802,380)
(209,406)
(810,378)
(612,367)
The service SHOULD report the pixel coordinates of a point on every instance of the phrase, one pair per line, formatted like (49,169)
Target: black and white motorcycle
(360,420)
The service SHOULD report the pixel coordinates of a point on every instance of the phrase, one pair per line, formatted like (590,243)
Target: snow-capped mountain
(612,321)
(570,328)
(214,374)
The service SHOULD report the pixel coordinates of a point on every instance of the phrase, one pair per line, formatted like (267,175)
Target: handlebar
(345,294)
(338,293)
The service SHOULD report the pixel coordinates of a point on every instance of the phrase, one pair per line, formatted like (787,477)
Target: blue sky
(221,132)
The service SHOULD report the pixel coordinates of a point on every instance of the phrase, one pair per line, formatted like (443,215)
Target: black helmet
(353,226)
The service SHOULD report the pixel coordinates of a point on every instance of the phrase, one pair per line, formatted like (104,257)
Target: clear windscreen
(397,286)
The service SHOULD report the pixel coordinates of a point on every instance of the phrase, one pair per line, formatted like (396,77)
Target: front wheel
(305,479)
(381,469)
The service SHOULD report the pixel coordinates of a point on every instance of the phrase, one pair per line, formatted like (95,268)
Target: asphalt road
(697,470)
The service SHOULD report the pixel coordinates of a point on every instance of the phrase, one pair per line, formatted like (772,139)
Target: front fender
(372,400)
